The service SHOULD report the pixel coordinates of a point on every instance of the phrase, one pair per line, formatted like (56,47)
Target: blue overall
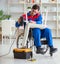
(38,33)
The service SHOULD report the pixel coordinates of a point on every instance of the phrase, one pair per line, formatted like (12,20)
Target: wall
(3,5)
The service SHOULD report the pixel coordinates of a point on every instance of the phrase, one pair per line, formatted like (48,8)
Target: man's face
(34,11)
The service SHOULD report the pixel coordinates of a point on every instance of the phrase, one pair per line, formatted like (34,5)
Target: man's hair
(35,6)
(21,20)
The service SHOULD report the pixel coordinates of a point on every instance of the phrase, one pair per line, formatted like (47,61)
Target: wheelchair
(43,41)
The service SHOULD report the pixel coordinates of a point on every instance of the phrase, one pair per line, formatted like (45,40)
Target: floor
(40,59)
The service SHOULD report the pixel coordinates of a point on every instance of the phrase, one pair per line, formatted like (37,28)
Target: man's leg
(47,33)
(36,36)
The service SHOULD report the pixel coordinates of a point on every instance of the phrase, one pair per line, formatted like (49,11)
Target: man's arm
(39,19)
(17,24)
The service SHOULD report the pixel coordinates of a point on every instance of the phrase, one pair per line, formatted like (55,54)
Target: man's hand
(33,22)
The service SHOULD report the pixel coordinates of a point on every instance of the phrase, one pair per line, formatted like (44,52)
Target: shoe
(53,50)
(39,50)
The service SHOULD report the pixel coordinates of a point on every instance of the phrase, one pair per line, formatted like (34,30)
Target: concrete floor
(40,59)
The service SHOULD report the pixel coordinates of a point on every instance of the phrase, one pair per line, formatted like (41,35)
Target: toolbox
(21,53)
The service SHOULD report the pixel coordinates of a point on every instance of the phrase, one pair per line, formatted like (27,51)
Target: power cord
(10,47)
(32,59)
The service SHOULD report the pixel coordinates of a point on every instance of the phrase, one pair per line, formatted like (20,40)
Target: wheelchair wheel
(44,44)
(19,37)
(45,47)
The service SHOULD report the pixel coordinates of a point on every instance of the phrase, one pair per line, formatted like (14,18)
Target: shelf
(31,3)
(49,4)
(16,3)
(16,12)
(51,20)
(52,12)
(13,3)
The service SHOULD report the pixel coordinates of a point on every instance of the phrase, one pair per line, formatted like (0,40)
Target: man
(35,17)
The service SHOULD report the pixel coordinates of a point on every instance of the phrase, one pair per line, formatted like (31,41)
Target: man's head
(35,9)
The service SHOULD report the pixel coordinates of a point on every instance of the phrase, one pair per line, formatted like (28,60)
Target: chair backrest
(7,26)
